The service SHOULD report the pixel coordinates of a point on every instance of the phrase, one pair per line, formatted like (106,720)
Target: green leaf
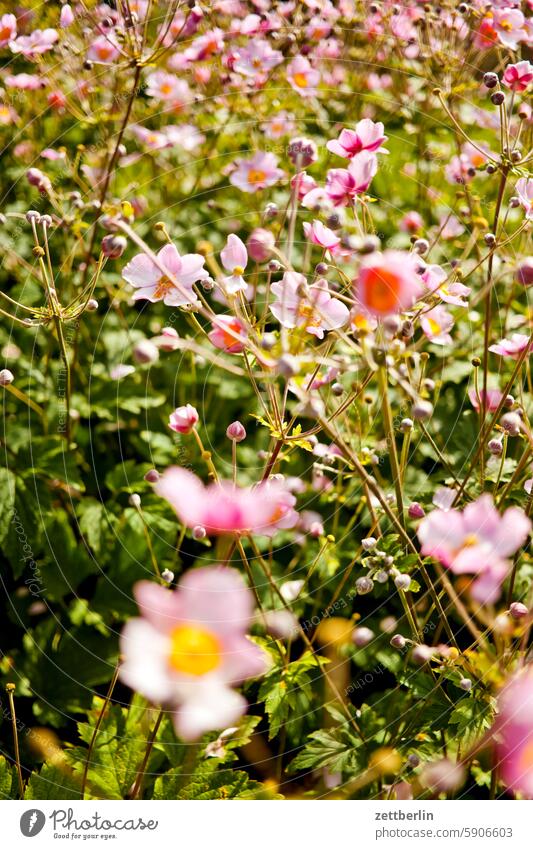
(53,782)
(7,501)
(8,780)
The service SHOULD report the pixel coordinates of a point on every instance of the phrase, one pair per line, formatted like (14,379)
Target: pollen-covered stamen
(194,650)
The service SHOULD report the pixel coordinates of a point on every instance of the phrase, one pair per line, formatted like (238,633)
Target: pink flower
(303,77)
(388,283)
(524,191)
(183,419)
(509,26)
(256,173)
(8,29)
(174,288)
(366,136)
(257,59)
(103,50)
(260,244)
(167,88)
(412,222)
(27,82)
(298,305)
(228,333)
(477,540)
(342,184)
(189,648)
(222,508)
(518,77)
(279,125)
(514,732)
(234,259)
(320,235)
(512,347)
(38,42)
(436,324)
(66,17)
(492,402)
(434,277)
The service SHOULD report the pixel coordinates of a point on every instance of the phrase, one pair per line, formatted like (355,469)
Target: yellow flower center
(506,25)
(163,286)
(255,176)
(470,540)
(238,270)
(307,312)
(434,326)
(166,88)
(300,80)
(193,650)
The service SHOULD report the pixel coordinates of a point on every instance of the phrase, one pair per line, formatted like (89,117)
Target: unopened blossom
(366,136)
(518,77)
(223,508)
(38,42)
(514,732)
(343,184)
(234,257)
(388,283)
(303,77)
(175,287)
(524,192)
(313,309)
(492,398)
(183,419)
(103,50)
(260,244)
(8,29)
(66,17)
(477,540)
(258,172)
(189,648)
(318,234)
(228,333)
(436,324)
(512,347)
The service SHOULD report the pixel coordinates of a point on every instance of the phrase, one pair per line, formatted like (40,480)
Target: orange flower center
(164,285)
(5,33)
(382,290)
(229,340)
(300,80)
(166,88)
(256,176)
(194,650)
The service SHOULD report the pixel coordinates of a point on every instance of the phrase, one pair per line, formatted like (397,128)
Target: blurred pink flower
(257,58)
(154,285)
(256,173)
(222,508)
(493,398)
(103,50)
(234,257)
(388,283)
(303,77)
(226,332)
(38,42)
(477,541)
(524,191)
(514,732)
(8,29)
(436,324)
(366,136)
(312,308)
(189,648)
(512,347)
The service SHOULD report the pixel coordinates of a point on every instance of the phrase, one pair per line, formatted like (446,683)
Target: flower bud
(511,423)
(422,410)
(66,17)
(183,419)
(290,590)
(135,500)
(362,637)
(490,80)
(113,246)
(398,641)
(199,532)
(402,582)
(465,684)
(518,610)
(524,272)
(260,244)
(416,511)
(6,377)
(145,352)
(302,152)
(495,447)
(167,576)
(369,543)
(236,432)
(91,305)
(406,425)
(364,585)
(152,476)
